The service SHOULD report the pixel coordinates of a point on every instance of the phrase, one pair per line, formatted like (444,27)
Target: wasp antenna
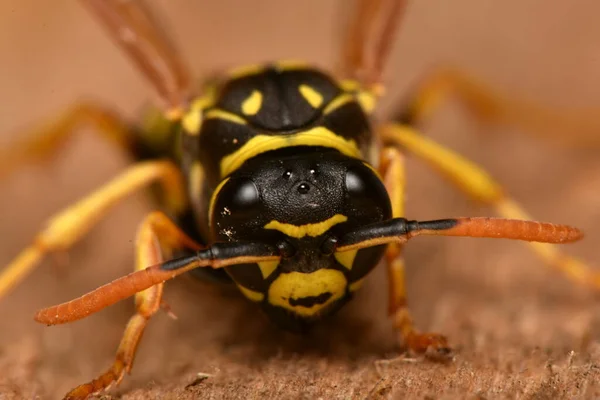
(399,230)
(112,292)
(501,228)
(217,256)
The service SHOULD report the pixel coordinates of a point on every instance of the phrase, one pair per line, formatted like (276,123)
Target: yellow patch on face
(224,115)
(267,267)
(338,102)
(213,199)
(252,104)
(318,136)
(291,287)
(299,231)
(314,98)
(251,294)
(346,258)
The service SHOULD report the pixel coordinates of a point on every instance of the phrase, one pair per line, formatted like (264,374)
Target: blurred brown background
(513,321)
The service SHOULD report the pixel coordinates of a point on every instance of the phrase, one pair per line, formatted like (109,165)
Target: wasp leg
(575,127)
(44,141)
(479,185)
(392,169)
(68,226)
(157,239)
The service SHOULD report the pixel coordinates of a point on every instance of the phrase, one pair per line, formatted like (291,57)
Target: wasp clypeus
(275,178)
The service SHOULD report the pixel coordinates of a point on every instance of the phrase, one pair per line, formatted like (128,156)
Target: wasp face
(300,191)
(300,198)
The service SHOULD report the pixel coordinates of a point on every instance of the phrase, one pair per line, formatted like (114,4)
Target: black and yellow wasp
(276,178)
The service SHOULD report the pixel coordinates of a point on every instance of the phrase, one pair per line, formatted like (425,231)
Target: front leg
(157,239)
(392,169)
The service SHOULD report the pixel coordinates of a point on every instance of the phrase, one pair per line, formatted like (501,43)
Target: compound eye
(240,195)
(356,182)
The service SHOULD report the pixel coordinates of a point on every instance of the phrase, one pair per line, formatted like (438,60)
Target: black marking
(177,263)
(436,225)
(394,228)
(310,301)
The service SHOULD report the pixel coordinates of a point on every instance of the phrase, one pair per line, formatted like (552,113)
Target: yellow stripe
(213,199)
(298,285)
(252,104)
(224,115)
(267,267)
(192,121)
(251,294)
(367,101)
(318,136)
(299,231)
(314,98)
(338,102)
(346,258)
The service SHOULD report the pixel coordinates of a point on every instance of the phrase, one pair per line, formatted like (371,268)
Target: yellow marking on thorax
(338,102)
(224,115)
(192,119)
(251,294)
(318,136)
(300,231)
(367,101)
(252,104)
(213,199)
(298,285)
(267,267)
(314,98)
(346,258)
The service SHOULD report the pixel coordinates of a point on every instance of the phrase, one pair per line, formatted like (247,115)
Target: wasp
(277,178)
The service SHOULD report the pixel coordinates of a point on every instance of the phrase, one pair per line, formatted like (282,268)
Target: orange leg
(157,239)
(571,127)
(392,168)
(44,141)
